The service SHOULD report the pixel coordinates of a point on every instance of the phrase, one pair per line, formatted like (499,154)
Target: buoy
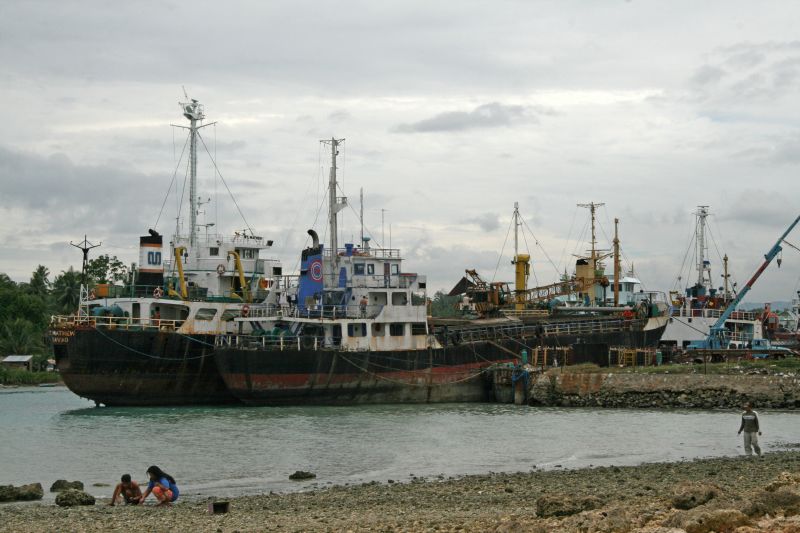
(158,292)
(220,269)
(245,310)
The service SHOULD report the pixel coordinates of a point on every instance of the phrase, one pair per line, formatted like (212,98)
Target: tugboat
(151,342)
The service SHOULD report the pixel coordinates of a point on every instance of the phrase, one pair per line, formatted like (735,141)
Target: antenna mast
(616,262)
(335,204)
(85,246)
(193,111)
(592,209)
(703,264)
(361,215)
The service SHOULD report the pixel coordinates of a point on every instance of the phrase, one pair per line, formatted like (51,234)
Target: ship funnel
(314,238)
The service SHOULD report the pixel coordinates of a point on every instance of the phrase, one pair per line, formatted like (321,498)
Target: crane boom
(716,332)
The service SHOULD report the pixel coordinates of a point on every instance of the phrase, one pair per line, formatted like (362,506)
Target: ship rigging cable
(150,356)
(174,175)
(225,183)
(540,247)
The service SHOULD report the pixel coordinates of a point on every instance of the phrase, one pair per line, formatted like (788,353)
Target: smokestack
(314,238)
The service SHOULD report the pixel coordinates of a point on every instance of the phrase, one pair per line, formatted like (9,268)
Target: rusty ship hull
(455,372)
(140,368)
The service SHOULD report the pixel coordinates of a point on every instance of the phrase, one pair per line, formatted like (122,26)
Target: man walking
(751,430)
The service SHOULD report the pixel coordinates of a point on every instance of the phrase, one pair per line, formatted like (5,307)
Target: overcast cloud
(452,112)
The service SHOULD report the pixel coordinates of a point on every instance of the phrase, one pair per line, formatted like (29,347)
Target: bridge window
(395,269)
(397,330)
(371,269)
(358,269)
(418,328)
(378,330)
(399,298)
(205,313)
(213,252)
(357,330)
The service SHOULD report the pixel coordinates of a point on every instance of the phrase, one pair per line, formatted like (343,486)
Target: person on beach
(162,485)
(127,491)
(751,430)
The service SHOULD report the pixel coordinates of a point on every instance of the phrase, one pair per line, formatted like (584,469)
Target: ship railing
(115,322)
(322,311)
(271,341)
(393,281)
(456,335)
(684,312)
(525,313)
(378,253)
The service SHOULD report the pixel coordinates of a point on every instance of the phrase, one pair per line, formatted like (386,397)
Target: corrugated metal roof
(17,358)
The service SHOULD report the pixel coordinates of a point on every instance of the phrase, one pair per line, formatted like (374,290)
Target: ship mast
(193,111)
(521,264)
(592,209)
(335,204)
(616,262)
(703,264)
(725,276)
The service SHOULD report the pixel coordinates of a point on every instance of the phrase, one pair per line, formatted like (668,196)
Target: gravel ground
(723,494)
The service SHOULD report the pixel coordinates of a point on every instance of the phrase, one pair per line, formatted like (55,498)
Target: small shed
(24,362)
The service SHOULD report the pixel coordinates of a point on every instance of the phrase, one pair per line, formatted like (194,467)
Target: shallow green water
(49,433)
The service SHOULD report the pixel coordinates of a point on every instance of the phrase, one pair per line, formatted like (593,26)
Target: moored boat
(358,332)
(150,341)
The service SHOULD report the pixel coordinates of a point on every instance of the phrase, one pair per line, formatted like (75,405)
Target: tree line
(26,307)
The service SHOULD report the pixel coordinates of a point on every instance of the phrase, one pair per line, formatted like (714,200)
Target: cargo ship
(150,342)
(358,332)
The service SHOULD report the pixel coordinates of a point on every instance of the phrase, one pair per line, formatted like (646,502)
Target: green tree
(6,282)
(444,306)
(106,269)
(67,291)
(39,284)
(20,336)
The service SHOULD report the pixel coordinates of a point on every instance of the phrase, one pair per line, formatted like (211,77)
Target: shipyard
(400,267)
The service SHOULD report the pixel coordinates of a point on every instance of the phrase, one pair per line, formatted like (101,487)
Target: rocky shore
(738,494)
(606,389)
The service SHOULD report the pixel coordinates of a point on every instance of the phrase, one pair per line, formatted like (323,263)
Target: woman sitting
(162,485)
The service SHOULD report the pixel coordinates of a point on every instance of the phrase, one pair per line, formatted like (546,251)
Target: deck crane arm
(715,335)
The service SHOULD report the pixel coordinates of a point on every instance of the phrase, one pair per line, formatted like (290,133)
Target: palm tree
(39,284)
(67,290)
(6,282)
(19,336)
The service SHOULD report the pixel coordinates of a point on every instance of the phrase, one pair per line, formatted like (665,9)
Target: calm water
(46,434)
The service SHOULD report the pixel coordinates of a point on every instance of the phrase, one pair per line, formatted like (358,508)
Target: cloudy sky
(452,112)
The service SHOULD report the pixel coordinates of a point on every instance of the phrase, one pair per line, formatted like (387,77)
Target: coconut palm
(39,284)
(20,336)
(67,290)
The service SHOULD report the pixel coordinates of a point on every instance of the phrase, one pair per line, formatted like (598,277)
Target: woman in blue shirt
(162,485)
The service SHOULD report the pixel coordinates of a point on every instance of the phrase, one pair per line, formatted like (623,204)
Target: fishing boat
(150,341)
(358,332)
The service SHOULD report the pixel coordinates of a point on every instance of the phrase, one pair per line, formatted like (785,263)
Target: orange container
(101,290)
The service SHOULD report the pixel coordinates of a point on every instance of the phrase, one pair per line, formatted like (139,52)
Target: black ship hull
(452,373)
(117,367)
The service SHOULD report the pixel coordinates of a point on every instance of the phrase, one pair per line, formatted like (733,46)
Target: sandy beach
(722,494)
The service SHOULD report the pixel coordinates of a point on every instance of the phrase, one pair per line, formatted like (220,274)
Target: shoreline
(625,498)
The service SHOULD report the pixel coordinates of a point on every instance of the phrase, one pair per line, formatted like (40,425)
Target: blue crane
(717,334)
